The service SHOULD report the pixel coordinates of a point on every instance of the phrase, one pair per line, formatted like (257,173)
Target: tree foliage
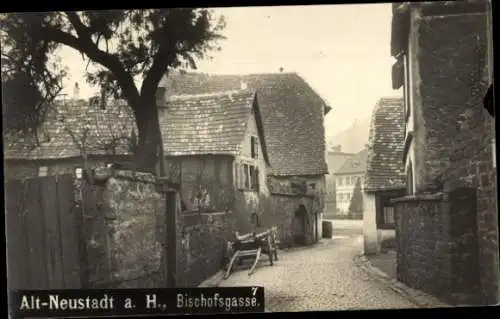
(123,46)
(356,204)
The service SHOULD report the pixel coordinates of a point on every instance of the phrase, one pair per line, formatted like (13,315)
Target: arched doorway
(299,224)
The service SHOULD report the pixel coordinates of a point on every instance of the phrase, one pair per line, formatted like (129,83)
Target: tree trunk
(149,135)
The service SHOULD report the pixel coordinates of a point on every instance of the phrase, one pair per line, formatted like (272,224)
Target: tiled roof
(207,123)
(190,125)
(354,164)
(72,127)
(292,114)
(385,168)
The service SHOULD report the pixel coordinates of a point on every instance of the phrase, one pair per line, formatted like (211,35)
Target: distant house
(334,158)
(444,65)
(384,177)
(292,116)
(74,134)
(345,179)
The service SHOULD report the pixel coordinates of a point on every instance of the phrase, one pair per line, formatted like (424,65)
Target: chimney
(281,70)
(243,85)
(337,148)
(76,91)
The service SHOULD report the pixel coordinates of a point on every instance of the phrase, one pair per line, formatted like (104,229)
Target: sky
(342,51)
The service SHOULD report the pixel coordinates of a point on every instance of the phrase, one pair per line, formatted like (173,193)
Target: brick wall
(436,238)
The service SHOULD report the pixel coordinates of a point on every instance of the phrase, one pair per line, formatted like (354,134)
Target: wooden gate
(42,234)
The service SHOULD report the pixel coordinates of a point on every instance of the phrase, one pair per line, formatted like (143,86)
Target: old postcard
(342,157)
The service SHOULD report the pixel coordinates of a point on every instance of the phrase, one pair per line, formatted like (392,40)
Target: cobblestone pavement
(322,277)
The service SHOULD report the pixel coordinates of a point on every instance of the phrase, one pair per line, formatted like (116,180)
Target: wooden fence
(42,231)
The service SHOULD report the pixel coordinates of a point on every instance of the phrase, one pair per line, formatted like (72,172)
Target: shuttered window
(247,176)
(254,177)
(254,144)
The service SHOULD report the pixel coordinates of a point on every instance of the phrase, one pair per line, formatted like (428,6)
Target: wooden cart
(253,245)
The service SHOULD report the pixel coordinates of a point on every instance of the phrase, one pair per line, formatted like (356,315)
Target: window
(43,171)
(312,186)
(389,215)
(254,145)
(78,172)
(339,180)
(254,177)
(247,177)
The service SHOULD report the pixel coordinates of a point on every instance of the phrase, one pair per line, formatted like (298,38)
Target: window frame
(247,177)
(254,147)
(388,224)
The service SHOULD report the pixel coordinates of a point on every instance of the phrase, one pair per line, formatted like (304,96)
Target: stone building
(447,229)
(384,178)
(293,116)
(345,180)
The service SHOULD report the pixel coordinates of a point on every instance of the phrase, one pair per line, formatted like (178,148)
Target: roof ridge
(210,94)
(237,74)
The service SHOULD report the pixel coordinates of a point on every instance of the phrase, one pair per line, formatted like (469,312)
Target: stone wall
(449,81)
(125,229)
(436,238)
(202,246)
(450,78)
(283,207)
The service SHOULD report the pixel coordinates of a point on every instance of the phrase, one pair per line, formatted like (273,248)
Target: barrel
(327,229)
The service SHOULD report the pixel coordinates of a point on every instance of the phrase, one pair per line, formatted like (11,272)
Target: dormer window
(254,144)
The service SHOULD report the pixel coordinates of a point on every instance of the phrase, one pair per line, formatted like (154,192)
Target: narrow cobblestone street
(323,277)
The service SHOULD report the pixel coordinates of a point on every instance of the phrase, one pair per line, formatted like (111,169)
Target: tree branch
(85,44)
(161,60)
